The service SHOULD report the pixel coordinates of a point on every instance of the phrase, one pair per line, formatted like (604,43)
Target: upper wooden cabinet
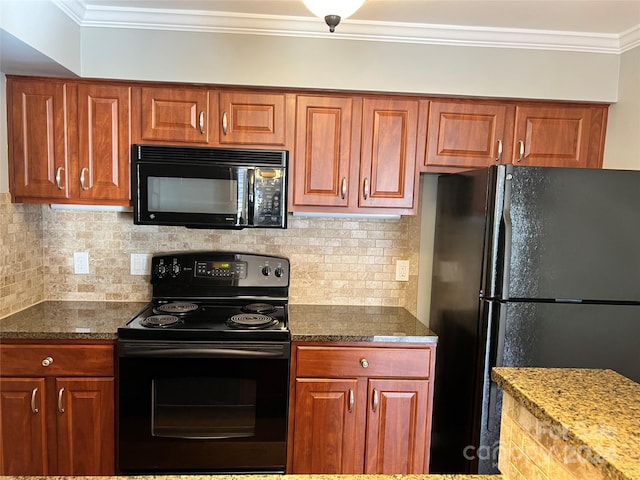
(356,409)
(39,159)
(57,409)
(467,134)
(200,116)
(252,118)
(68,142)
(103,144)
(170,114)
(356,154)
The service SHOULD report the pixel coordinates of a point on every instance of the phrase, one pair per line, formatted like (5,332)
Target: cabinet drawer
(314,361)
(56,360)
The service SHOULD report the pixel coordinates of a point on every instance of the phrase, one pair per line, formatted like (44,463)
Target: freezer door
(571,234)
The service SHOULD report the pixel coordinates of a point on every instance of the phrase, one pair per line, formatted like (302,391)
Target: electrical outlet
(140,263)
(402,271)
(81,263)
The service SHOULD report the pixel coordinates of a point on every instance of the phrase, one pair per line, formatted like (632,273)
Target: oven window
(190,408)
(192,195)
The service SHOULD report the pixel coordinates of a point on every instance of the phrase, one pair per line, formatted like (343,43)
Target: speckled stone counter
(341,323)
(69,320)
(282,477)
(569,423)
(74,320)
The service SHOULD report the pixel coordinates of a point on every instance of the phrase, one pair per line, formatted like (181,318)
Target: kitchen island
(562,424)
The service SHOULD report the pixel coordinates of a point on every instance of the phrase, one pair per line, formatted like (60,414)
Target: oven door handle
(188,350)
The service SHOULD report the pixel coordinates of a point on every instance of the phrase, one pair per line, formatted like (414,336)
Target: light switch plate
(81,263)
(402,271)
(140,263)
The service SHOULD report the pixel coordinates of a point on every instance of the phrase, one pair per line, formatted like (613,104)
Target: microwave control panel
(269,205)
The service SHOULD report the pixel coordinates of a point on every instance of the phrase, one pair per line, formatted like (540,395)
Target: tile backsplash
(334,261)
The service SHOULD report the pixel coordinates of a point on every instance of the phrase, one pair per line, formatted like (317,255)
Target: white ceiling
(605,26)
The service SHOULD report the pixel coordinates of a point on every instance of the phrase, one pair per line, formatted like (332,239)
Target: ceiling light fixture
(333,10)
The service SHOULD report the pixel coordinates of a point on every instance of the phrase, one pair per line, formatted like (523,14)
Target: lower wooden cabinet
(356,409)
(57,409)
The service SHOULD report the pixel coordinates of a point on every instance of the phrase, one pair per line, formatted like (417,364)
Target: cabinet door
(86,426)
(252,118)
(103,149)
(39,160)
(463,134)
(23,443)
(329,426)
(557,136)
(388,153)
(175,114)
(397,430)
(321,172)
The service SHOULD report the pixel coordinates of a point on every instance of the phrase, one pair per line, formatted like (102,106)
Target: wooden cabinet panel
(23,438)
(104,143)
(555,136)
(327,435)
(252,118)
(397,427)
(85,424)
(323,150)
(346,419)
(39,159)
(388,153)
(56,360)
(61,421)
(175,114)
(321,361)
(467,134)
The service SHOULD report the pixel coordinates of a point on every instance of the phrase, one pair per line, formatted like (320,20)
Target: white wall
(622,148)
(347,64)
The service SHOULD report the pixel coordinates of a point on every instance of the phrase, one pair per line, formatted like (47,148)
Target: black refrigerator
(532,267)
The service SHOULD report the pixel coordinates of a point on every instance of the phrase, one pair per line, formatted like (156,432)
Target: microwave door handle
(250,197)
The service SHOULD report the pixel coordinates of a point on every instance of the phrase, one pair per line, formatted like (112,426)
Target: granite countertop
(78,320)
(598,409)
(69,320)
(279,477)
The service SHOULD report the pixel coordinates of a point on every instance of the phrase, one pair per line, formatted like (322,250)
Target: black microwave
(201,187)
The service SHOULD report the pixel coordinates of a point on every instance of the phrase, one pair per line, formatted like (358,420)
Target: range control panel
(220,268)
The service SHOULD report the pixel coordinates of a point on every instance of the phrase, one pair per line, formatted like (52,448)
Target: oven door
(197,195)
(202,407)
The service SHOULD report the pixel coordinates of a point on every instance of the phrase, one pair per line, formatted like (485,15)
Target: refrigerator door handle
(496,357)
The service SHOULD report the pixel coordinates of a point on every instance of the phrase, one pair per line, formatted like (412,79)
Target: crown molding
(350,29)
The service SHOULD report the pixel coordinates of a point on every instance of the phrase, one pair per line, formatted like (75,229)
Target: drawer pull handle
(520,150)
(343,190)
(59,177)
(352,400)
(201,123)
(82,174)
(364,363)
(225,123)
(47,361)
(365,189)
(499,157)
(34,394)
(376,400)
(60,407)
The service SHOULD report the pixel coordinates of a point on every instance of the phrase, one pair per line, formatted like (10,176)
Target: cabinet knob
(364,363)
(47,361)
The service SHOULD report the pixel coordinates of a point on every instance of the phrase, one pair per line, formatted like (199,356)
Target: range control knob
(175,270)
(266,270)
(278,272)
(162,270)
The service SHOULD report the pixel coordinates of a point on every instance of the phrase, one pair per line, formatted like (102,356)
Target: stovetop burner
(160,321)
(262,308)
(251,321)
(177,308)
